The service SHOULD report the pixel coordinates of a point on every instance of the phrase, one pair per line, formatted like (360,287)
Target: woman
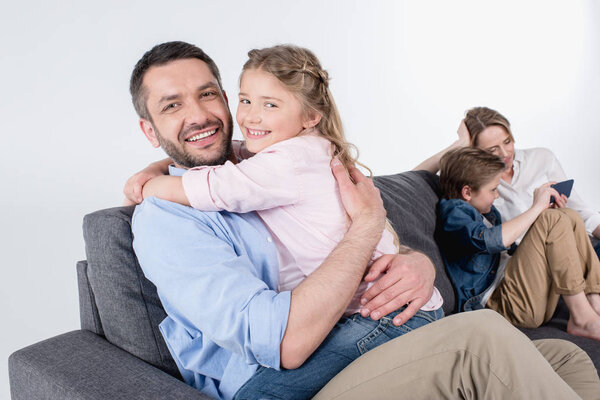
(526,170)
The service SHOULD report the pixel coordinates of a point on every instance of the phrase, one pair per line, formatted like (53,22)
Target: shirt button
(269,239)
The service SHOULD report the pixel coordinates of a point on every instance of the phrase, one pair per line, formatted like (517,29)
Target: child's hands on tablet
(542,195)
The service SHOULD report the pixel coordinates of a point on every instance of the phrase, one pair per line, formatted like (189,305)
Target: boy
(554,258)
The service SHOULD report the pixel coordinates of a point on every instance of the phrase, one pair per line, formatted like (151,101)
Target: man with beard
(217,277)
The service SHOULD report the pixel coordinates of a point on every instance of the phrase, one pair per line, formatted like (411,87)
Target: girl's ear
(312,119)
(466,193)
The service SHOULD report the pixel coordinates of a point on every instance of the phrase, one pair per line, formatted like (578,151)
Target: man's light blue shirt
(216,274)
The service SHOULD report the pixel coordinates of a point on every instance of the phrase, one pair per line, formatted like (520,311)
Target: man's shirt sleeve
(208,283)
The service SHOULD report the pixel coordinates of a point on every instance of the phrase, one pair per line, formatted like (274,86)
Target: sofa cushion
(127,303)
(80,365)
(411,200)
(556,328)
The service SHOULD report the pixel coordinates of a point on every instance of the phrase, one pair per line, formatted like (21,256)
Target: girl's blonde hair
(300,71)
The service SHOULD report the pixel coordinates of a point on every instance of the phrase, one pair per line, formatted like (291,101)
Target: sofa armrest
(82,365)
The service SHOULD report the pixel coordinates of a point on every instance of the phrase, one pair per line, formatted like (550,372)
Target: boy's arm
(514,228)
(466,233)
(166,187)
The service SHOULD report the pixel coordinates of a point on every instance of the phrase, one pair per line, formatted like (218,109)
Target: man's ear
(149,132)
(466,193)
(312,119)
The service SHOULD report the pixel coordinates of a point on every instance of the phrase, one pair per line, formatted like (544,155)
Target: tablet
(563,187)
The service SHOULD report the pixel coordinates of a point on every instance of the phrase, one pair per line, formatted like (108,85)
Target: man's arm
(321,299)
(209,283)
(408,279)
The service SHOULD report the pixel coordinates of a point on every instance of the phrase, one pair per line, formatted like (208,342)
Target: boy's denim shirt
(470,249)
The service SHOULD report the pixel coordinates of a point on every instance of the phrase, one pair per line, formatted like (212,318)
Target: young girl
(289,119)
(555,257)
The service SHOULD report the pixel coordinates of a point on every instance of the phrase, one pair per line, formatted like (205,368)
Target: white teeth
(201,135)
(257,133)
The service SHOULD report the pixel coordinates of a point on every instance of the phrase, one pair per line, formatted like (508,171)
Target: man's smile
(201,135)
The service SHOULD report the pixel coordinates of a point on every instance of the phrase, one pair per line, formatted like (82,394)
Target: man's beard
(183,158)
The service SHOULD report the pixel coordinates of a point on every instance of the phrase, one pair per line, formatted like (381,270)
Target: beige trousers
(555,257)
(472,355)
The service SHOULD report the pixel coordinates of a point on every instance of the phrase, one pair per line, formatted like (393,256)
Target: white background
(403,73)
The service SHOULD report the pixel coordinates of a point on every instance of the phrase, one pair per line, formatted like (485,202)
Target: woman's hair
(479,118)
(300,72)
(467,166)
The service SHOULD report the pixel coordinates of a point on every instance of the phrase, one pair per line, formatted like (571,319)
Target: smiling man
(217,275)
(190,121)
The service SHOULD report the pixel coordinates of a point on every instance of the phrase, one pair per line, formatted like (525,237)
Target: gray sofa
(119,353)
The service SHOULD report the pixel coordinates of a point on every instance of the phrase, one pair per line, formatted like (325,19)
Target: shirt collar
(175,171)
(517,164)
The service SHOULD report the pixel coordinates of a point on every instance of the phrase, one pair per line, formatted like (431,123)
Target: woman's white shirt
(533,168)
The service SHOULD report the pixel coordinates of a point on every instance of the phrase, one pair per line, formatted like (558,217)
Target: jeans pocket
(375,337)
(386,330)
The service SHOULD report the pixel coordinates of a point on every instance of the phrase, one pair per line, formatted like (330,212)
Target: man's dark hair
(162,54)
(467,166)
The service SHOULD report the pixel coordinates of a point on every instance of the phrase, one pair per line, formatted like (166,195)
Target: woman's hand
(432,164)
(560,201)
(464,137)
(134,185)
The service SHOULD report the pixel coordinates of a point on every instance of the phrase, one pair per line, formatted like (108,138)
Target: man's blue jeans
(350,338)
(597,248)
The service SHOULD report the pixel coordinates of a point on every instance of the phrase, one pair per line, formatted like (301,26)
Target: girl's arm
(166,187)
(432,164)
(272,178)
(133,187)
(514,228)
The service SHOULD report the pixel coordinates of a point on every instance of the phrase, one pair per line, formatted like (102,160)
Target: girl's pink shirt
(291,187)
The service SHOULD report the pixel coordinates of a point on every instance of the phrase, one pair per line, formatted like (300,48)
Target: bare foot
(589,328)
(594,299)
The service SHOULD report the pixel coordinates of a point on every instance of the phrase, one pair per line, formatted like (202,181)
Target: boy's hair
(479,118)
(467,166)
(300,71)
(162,54)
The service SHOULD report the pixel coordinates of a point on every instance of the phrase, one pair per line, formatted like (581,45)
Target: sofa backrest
(128,308)
(411,199)
(117,301)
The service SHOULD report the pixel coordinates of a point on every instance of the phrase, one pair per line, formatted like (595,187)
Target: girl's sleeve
(590,216)
(267,180)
